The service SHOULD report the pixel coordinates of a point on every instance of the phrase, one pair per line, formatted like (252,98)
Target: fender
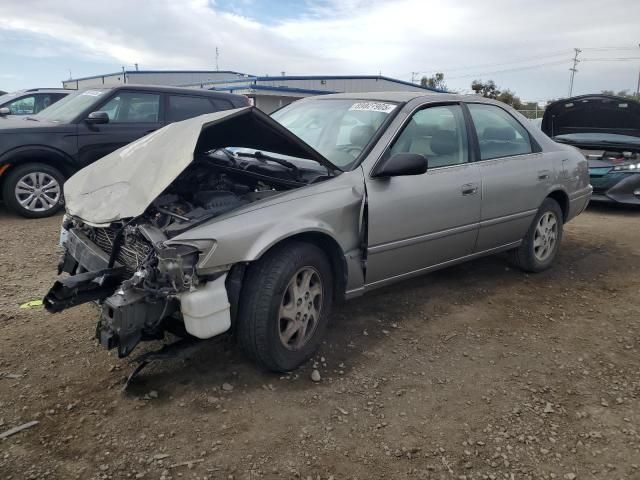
(27,153)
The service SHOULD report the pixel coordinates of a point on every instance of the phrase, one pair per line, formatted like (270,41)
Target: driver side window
(439,133)
(133,107)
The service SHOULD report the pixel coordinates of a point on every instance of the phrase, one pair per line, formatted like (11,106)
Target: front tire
(285,305)
(33,190)
(540,246)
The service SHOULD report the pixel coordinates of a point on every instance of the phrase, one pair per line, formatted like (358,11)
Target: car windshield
(71,106)
(339,129)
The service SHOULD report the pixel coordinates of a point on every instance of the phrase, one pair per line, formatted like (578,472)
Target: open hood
(124,183)
(592,114)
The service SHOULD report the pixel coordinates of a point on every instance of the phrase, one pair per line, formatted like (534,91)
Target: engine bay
(221,181)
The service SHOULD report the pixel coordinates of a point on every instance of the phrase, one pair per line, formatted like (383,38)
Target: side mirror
(4,111)
(402,164)
(96,118)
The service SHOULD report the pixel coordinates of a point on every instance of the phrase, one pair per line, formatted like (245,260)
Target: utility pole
(413,77)
(574,70)
(217,56)
(638,87)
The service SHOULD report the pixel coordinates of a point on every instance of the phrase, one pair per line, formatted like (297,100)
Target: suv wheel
(33,190)
(285,305)
(542,242)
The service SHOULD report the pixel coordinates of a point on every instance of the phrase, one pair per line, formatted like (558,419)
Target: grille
(133,250)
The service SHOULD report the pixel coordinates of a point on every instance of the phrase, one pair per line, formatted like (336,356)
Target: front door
(418,222)
(131,116)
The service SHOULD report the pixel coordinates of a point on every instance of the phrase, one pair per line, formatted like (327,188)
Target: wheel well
(333,251)
(52,159)
(563,200)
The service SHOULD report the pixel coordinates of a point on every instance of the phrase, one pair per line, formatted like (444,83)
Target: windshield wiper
(258,155)
(33,119)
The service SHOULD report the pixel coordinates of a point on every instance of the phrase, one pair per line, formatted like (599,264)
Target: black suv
(38,153)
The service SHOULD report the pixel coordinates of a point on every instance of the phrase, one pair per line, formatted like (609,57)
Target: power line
(619,59)
(498,64)
(515,69)
(515,61)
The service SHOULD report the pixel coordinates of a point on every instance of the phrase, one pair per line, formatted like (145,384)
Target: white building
(267,93)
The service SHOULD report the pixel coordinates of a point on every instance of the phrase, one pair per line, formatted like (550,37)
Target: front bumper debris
(82,288)
(138,301)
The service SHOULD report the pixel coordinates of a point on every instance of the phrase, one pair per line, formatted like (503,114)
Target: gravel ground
(475,372)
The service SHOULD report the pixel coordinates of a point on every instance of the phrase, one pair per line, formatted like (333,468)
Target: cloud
(342,37)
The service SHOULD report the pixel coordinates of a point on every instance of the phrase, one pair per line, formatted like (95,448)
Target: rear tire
(542,242)
(285,305)
(33,190)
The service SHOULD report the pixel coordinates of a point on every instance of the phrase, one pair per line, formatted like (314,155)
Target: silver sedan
(238,221)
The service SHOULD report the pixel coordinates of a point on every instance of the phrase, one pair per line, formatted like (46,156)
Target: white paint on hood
(124,183)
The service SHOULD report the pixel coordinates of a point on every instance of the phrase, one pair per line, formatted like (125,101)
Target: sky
(525,46)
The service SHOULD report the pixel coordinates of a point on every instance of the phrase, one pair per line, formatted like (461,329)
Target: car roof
(165,89)
(407,96)
(40,90)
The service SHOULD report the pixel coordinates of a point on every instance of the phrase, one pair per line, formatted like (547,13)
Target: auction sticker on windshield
(92,93)
(373,107)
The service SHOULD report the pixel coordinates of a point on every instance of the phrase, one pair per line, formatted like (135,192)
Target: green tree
(510,98)
(435,81)
(487,89)
(622,93)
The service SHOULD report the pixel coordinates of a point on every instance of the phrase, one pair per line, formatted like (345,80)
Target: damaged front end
(143,285)
(128,211)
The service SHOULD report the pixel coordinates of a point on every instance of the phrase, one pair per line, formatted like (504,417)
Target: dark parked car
(606,129)
(30,102)
(39,153)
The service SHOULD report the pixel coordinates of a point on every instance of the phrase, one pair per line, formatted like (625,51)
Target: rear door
(132,114)
(421,221)
(516,175)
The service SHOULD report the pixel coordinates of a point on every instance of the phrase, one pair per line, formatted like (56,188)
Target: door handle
(543,174)
(469,189)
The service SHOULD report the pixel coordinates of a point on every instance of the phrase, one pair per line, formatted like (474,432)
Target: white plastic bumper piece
(205,309)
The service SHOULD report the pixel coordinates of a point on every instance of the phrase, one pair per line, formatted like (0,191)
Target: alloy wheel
(545,236)
(38,192)
(300,308)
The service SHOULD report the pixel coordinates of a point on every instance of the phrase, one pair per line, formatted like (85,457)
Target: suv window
(130,107)
(182,107)
(23,106)
(499,134)
(438,133)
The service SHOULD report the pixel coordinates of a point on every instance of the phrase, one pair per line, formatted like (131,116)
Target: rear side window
(499,134)
(182,107)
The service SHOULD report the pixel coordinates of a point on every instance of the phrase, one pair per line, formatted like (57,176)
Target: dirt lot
(475,372)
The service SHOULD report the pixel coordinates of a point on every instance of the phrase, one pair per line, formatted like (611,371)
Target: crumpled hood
(124,183)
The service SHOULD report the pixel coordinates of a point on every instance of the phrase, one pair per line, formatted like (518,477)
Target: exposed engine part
(129,316)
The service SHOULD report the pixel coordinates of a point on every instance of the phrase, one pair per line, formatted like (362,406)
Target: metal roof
(251,86)
(345,77)
(142,72)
